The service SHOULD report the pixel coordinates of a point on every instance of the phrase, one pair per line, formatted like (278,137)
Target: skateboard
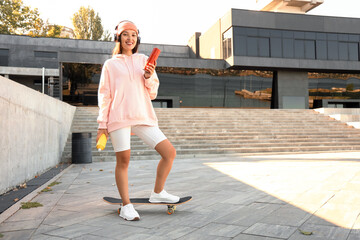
(145,201)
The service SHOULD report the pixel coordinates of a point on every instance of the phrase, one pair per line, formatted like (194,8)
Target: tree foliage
(46,30)
(17,18)
(107,36)
(87,24)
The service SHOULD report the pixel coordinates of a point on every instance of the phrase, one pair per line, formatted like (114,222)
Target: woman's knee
(170,154)
(123,159)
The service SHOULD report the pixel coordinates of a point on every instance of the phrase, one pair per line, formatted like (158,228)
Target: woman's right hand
(101,132)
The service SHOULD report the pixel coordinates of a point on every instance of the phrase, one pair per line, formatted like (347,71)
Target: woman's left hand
(149,70)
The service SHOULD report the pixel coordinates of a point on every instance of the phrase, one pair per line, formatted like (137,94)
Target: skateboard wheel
(171,209)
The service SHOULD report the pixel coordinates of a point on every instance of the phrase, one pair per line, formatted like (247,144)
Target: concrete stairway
(199,132)
(350,116)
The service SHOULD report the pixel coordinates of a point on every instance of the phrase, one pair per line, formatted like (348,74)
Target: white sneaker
(129,213)
(163,197)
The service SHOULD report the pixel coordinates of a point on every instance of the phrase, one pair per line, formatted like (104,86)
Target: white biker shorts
(150,135)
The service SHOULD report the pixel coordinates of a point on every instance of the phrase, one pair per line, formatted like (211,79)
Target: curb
(14,208)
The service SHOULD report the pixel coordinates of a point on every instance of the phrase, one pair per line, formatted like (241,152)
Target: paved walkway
(250,198)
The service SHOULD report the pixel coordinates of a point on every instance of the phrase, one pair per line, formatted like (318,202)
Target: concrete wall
(294,22)
(194,45)
(292,90)
(211,42)
(22,48)
(33,129)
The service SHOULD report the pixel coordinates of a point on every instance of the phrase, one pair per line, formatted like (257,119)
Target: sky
(167,21)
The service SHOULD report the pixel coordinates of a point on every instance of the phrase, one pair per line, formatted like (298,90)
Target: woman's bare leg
(168,154)
(121,175)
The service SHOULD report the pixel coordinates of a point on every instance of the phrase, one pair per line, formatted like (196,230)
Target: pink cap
(125,25)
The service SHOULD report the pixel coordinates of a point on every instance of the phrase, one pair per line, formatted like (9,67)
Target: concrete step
(350,116)
(214,132)
(109,149)
(215,152)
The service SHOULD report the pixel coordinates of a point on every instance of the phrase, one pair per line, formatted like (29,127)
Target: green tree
(54,31)
(17,18)
(42,29)
(87,24)
(107,36)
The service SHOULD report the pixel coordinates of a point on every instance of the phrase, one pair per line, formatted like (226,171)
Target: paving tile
(287,215)
(43,228)
(16,235)
(321,232)
(199,236)
(222,208)
(72,231)
(221,230)
(117,231)
(245,198)
(354,235)
(30,214)
(20,225)
(47,237)
(314,196)
(269,230)
(343,215)
(171,231)
(252,237)
(248,215)
(347,197)
(65,218)
(138,236)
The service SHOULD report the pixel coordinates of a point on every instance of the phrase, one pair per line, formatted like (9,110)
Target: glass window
(333,50)
(252,32)
(310,35)
(332,36)
(252,46)
(264,33)
(4,52)
(299,35)
(240,46)
(275,33)
(343,51)
(299,49)
(4,57)
(321,36)
(353,38)
(309,49)
(45,54)
(353,51)
(264,47)
(275,47)
(227,43)
(288,48)
(343,37)
(240,31)
(287,34)
(321,50)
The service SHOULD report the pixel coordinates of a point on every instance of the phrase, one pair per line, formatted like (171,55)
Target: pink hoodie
(124,95)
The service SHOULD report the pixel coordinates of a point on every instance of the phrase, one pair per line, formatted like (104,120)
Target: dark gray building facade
(247,59)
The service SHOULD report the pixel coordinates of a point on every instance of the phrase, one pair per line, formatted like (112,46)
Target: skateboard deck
(145,201)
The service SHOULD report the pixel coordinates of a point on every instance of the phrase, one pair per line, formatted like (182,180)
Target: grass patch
(54,183)
(1,235)
(27,205)
(47,189)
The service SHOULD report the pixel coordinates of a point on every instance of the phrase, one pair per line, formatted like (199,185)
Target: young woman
(125,92)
